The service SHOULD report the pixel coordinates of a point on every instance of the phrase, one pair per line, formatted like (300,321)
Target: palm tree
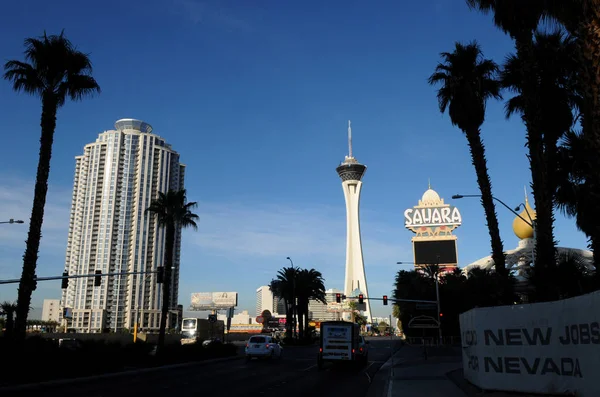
(553,71)
(520,19)
(572,198)
(467,82)
(309,286)
(8,310)
(54,70)
(582,19)
(174,213)
(284,287)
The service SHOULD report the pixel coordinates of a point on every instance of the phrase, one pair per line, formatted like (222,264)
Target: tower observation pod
(351,173)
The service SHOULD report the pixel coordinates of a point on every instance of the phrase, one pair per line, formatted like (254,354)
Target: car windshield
(258,339)
(189,323)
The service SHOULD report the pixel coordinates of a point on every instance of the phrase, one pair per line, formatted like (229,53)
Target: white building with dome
(522,257)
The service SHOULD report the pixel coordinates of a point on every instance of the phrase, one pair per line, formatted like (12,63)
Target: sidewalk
(409,374)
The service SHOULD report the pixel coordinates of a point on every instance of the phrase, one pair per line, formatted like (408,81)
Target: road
(294,375)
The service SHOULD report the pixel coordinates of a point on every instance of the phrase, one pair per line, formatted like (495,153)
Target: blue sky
(256,97)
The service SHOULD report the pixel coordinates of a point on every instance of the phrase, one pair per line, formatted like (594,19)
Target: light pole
(531,222)
(293,298)
(11,221)
(437,293)
(459,196)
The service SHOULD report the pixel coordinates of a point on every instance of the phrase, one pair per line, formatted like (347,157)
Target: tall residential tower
(351,173)
(116,178)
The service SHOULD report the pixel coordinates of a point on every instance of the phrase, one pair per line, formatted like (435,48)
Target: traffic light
(160,275)
(361,299)
(385,300)
(98,278)
(65,281)
(338,298)
(441,314)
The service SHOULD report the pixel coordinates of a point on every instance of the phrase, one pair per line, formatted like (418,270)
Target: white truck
(340,341)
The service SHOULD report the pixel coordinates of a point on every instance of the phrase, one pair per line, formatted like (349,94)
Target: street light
(530,222)
(459,196)
(294,298)
(437,292)
(11,221)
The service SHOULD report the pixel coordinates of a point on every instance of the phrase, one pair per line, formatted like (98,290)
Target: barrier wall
(549,347)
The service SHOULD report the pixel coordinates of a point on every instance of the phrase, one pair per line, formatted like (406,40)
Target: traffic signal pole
(17,280)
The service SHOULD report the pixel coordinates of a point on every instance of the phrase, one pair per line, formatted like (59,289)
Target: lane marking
(309,368)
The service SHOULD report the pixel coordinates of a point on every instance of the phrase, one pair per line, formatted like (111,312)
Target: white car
(263,346)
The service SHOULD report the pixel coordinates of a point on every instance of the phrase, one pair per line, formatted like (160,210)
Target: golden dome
(520,227)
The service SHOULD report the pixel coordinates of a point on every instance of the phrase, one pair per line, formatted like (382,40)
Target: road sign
(426,306)
(260,319)
(423,322)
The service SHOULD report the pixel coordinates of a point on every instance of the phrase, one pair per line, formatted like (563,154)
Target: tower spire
(349,139)
(428,183)
(525,189)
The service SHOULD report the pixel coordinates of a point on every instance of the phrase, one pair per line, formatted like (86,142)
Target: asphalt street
(296,374)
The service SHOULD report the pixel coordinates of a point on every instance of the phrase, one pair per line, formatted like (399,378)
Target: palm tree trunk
(288,318)
(10,325)
(166,301)
(485,187)
(300,313)
(28,283)
(306,319)
(545,250)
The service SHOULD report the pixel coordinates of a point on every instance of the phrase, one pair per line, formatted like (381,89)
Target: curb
(68,381)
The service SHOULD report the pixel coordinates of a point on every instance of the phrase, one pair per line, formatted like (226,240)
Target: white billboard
(213,300)
(551,347)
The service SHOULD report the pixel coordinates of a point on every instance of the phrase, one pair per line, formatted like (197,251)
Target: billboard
(213,300)
(540,348)
(435,252)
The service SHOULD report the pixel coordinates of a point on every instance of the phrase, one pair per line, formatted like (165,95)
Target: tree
(467,82)
(54,70)
(582,19)
(8,310)
(553,71)
(309,286)
(266,315)
(173,213)
(520,19)
(383,327)
(572,198)
(284,287)
(458,294)
(357,317)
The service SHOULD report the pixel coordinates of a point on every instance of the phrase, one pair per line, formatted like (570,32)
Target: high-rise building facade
(51,310)
(265,300)
(320,311)
(116,178)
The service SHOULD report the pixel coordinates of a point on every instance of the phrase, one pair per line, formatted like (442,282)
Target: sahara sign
(432,216)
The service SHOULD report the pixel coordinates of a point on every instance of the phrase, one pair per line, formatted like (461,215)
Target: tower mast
(349,139)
